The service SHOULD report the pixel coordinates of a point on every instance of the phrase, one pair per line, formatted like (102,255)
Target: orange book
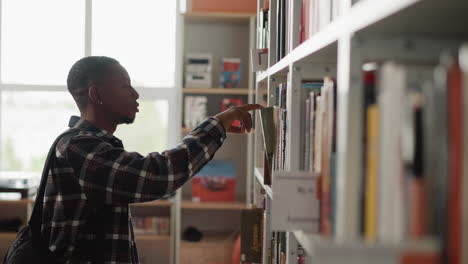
(223,6)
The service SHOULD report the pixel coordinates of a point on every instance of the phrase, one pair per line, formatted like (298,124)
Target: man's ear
(93,95)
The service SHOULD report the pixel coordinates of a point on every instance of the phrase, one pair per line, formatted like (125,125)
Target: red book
(455,159)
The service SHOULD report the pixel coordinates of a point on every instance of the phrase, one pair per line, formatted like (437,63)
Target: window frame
(170,94)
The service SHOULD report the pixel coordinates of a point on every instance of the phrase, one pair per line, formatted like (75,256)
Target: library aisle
(359,156)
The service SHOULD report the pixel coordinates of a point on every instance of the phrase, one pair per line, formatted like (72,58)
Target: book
(268,126)
(252,235)
(230,72)
(455,158)
(370,229)
(325,137)
(436,154)
(463,60)
(412,149)
(216,182)
(390,226)
(195,110)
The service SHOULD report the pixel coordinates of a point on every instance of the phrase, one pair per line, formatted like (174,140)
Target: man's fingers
(247,121)
(249,107)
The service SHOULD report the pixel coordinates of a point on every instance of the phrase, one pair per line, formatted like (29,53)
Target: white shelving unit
(222,34)
(370,30)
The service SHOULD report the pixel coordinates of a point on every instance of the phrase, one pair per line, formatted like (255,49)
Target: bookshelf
(408,32)
(221,33)
(189,205)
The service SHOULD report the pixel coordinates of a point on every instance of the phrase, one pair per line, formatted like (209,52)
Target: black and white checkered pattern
(93,179)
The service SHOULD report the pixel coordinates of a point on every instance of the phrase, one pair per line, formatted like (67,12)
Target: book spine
(370,229)
(464,65)
(455,151)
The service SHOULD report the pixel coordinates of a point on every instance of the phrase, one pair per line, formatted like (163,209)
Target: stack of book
(263,31)
(273,123)
(151,225)
(416,119)
(315,15)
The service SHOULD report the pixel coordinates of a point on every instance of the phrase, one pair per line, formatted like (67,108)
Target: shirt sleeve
(111,175)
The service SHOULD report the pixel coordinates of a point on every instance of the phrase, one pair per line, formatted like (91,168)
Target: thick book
(268,126)
(412,139)
(370,216)
(391,225)
(435,140)
(252,235)
(455,158)
(230,72)
(326,135)
(464,201)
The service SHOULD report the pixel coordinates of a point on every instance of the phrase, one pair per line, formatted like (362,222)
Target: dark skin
(113,101)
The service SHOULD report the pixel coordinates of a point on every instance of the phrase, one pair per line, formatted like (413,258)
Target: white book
(312,17)
(391,226)
(318,136)
(195,110)
(312,131)
(463,58)
(335,9)
(324,13)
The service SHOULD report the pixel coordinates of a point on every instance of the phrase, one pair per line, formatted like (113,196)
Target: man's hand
(238,113)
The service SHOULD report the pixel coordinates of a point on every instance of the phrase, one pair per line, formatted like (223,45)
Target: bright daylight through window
(37,52)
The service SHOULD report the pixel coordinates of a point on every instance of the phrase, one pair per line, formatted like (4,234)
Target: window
(149,131)
(30,123)
(141,35)
(40,40)
(37,52)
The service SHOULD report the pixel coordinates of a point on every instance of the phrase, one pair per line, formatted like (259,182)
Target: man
(93,179)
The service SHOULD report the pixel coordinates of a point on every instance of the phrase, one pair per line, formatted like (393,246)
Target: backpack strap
(35,222)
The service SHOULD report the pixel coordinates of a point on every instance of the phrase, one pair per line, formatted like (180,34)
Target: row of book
(416,119)
(315,15)
(413,151)
(273,125)
(320,144)
(151,225)
(414,181)
(252,241)
(263,30)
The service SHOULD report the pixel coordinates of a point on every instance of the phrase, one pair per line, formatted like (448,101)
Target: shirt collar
(84,125)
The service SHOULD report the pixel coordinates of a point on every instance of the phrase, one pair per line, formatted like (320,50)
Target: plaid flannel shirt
(92,180)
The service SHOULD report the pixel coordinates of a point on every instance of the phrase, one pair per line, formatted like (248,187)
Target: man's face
(118,96)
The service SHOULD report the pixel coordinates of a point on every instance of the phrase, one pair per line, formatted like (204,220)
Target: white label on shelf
(295,206)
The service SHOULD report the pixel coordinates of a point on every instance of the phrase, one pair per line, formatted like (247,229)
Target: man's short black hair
(83,72)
